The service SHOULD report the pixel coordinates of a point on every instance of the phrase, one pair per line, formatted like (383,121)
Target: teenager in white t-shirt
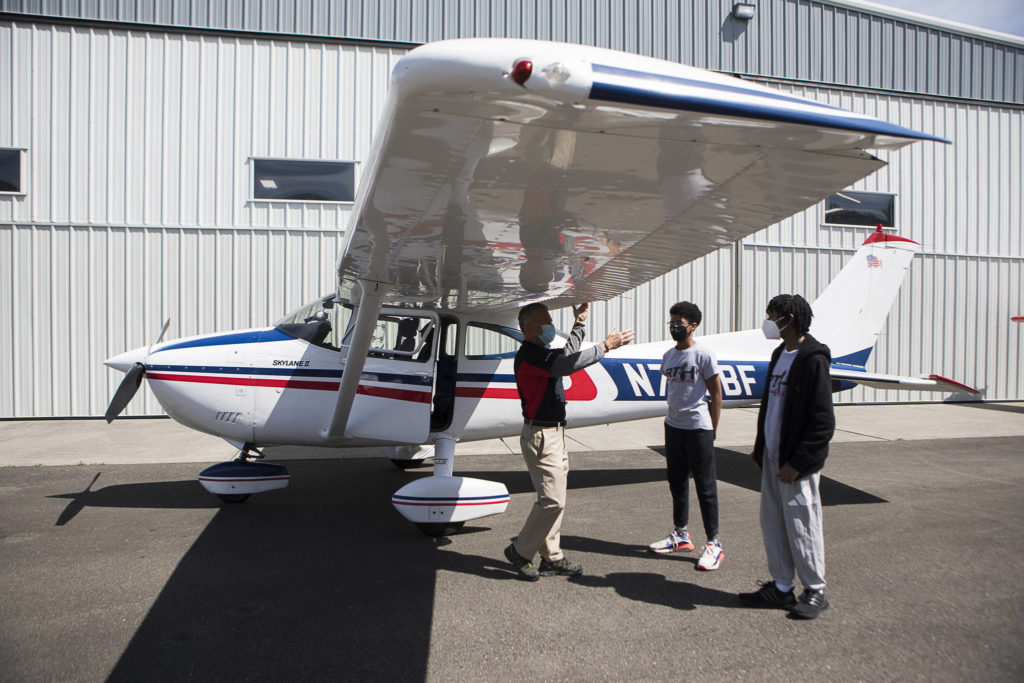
(694,404)
(794,426)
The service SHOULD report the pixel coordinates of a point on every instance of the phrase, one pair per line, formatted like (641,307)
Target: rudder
(850,313)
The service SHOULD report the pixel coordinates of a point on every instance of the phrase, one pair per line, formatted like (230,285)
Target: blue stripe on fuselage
(640,379)
(367,376)
(232,338)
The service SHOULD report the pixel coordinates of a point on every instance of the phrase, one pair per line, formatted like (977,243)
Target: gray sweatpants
(791,527)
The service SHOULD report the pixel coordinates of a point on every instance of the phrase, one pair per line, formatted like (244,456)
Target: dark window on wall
(861,208)
(10,170)
(308,181)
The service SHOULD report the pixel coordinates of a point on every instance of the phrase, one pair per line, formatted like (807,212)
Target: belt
(544,423)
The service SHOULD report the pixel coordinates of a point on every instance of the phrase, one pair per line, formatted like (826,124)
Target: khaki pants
(548,463)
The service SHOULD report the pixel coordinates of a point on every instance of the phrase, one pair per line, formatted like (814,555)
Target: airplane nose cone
(126,360)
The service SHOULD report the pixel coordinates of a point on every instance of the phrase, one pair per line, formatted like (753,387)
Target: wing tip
(958,386)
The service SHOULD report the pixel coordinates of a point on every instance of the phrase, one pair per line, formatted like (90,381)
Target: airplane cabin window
(861,208)
(402,337)
(10,171)
(487,341)
(308,181)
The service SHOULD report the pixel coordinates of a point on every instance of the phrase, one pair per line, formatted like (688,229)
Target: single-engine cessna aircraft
(507,172)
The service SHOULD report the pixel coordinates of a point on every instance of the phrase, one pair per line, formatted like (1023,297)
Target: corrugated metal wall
(836,43)
(78,294)
(137,195)
(137,204)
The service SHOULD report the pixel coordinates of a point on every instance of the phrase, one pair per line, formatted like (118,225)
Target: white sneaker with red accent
(676,541)
(712,556)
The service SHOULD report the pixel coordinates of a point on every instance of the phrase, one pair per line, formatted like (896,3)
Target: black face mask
(679,333)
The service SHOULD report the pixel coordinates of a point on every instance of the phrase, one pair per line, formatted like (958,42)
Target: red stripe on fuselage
(485,392)
(398,394)
(246,381)
(582,389)
(446,504)
(378,392)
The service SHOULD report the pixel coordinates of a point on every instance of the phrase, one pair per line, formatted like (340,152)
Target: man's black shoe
(769,596)
(562,567)
(525,569)
(810,605)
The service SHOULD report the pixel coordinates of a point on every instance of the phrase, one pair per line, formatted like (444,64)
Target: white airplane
(507,172)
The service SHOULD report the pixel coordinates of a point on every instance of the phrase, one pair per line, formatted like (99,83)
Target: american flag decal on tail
(874,261)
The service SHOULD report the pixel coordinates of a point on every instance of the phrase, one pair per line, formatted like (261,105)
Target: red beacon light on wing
(521,71)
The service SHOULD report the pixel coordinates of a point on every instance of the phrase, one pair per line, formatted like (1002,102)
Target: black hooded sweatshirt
(808,420)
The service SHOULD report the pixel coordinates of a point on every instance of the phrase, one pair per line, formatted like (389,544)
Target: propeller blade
(125,392)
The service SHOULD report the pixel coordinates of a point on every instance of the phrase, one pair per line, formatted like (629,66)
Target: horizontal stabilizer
(922,383)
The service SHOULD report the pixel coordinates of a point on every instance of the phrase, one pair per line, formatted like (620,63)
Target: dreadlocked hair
(793,305)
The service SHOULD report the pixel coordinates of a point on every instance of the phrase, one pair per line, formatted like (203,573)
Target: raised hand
(580,312)
(615,339)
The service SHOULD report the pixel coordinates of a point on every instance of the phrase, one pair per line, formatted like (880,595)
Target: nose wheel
(234,497)
(438,529)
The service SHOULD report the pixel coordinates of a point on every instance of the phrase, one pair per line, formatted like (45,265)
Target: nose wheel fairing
(236,480)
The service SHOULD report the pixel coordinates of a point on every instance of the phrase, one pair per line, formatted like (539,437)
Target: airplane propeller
(131,382)
(126,392)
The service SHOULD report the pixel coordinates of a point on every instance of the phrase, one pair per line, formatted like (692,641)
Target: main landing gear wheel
(409,464)
(438,529)
(233,497)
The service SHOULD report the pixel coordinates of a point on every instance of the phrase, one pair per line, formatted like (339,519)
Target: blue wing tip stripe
(640,88)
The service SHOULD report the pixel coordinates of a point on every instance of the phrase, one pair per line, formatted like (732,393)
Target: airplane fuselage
(265,387)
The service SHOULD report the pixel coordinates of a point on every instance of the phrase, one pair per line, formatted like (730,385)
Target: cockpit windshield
(328,322)
(322,322)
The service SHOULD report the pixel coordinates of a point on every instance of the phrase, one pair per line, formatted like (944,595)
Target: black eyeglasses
(675,324)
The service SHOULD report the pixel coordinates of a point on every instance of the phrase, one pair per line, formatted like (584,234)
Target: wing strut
(370,301)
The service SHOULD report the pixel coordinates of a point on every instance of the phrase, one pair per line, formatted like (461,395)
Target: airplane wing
(922,383)
(510,171)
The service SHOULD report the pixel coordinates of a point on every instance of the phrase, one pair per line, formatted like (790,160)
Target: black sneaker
(562,567)
(769,596)
(810,605)
(525,569)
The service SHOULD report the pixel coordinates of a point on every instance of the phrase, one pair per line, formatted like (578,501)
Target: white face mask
(772,330)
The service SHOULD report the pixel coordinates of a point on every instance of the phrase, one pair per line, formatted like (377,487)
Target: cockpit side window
(485,341)
(400,336)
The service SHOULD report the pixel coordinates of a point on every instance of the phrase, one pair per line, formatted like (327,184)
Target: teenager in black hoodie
(794,425)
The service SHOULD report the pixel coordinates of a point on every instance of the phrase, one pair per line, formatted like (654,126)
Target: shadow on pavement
(735,467)
(322,580)
(160,495)
(655,589)
(998,407)
(643,586)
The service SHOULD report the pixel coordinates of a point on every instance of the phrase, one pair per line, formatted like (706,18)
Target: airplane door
(445,373)
(393,400)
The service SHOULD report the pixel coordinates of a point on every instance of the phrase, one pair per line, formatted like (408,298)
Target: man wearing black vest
(539,372)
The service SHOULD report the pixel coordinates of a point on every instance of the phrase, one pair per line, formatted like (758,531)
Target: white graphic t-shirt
(777,385)
(686,374)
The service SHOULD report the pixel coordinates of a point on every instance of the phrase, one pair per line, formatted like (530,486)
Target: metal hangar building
(147,149)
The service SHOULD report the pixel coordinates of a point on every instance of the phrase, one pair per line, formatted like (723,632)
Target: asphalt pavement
(129,571)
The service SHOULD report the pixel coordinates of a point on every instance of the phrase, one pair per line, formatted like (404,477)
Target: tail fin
(851,311)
